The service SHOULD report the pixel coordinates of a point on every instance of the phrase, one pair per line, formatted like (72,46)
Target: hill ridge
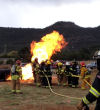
(78,37)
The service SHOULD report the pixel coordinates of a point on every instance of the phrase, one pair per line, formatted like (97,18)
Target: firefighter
(78,68)
(59,72)
(64,76)
(68,73)
(94,92)
(42,73)
(36,74)
(48,73)
(15,76)
(74,75)
(85,75)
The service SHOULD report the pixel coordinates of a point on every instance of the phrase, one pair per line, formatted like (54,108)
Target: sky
(43,13)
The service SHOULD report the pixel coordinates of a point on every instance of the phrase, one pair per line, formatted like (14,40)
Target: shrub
(10,61)
(1,62)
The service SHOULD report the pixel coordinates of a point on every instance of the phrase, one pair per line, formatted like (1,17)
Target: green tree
(24,54)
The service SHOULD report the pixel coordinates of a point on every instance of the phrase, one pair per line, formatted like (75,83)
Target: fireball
(27,72)
(43,50)
(48,45)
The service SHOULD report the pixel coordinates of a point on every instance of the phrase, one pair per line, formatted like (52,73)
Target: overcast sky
(42,13)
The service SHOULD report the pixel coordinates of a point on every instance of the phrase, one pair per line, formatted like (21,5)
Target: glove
(80,106)
(86,107)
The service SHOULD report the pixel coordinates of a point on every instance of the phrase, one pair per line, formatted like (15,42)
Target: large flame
(43,50)
(27,72)
(49,45)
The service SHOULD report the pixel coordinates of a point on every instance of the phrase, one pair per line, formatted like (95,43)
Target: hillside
(78,37)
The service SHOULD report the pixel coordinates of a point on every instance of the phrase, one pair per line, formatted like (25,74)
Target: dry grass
(38,98)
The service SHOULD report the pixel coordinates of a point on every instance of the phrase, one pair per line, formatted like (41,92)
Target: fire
(8,78)
(43,50)
(27,72)
(48,45)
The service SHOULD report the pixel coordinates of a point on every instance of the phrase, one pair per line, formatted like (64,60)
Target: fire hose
(82,79)
(59,93)
(62,94)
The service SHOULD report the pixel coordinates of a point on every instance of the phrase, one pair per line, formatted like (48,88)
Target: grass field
(38,98)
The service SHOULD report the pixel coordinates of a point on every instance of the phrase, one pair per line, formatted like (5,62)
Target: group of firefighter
(42,73)
(68,74)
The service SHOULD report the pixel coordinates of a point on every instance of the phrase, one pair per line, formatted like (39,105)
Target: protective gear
(74,72)
(48,62)
(18,62)
(60,64)
(48,74)
(68,73)
(61,75)
(94,92)
(36,72)
(84,75)
(42,73)
(82,64)
(82,106)
(36,59)
(15,76)
(64,76)
(16,73)
(51,61)
(97,55)
(67,63)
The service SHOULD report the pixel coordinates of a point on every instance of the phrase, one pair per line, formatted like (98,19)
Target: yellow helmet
(59,64)
(51,61)
(48,62)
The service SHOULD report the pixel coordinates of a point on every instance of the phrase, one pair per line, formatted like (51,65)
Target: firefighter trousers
(38,80)
(60,78)
(98,104)
(16,85)
(83,85)
(64,80)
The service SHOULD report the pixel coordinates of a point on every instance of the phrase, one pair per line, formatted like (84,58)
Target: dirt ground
(39,98)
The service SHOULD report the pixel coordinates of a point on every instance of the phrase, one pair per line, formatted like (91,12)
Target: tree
(24,54)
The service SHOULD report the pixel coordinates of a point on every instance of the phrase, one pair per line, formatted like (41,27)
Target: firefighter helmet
(48,62)
(82,63)
(97,55)
(60,64)
(51,61)
(36,59)
(67,63)
(18,62)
